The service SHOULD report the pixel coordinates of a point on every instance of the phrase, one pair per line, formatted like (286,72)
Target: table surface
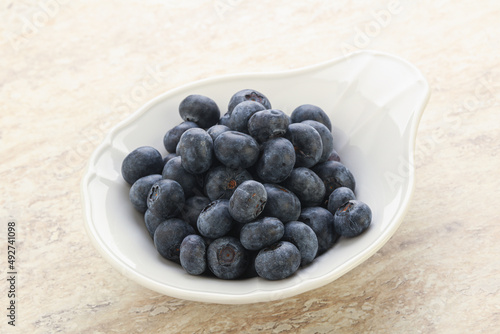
(72,70)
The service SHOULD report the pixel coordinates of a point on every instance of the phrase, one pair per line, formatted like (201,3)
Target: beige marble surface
(70,70)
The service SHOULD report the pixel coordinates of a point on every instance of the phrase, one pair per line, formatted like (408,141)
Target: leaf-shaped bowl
(375,102)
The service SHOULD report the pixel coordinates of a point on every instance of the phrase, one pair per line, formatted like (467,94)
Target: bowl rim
(257,295)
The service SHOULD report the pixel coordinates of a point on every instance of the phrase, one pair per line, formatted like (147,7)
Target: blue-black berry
(277,160)
(139,191)
(193,254)
(236,149)
(227,258)
(339,197)
(261,233)
(307,144)
(302,236)
(195,147)
(267,124)
(171,138)
(214,220)
(222,181)
(247,95)
(174,170)
(199,109)
(308,187)
(311,112)
(352,218)
(321,221)
(278,261)
(166,198)
(242,113)
(142,161)
(334,175)
(281,203)
(248,201)
(168,237)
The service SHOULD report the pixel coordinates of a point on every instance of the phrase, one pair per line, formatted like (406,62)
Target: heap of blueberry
(252,193)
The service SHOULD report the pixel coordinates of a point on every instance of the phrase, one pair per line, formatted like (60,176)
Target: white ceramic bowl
(375,102)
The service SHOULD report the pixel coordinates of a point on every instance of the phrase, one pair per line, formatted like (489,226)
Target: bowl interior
(374,101)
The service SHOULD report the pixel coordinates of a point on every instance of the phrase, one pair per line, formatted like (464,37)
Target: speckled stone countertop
(71,70)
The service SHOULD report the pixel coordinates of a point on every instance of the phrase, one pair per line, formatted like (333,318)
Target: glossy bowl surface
(375,102)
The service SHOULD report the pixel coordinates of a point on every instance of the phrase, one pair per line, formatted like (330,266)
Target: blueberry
(302,236)
(267,124)
(242,113)
(193,254)
(152,222)
(334,175)
(139,191)
(312,112)
(214,220)
(168,157)
(227,258)
(352,218)
(142,161)
(174,170)
(278,261)
(196,150)
(222,181)
(216,130)
(320,220)
(166,198)
(248,201)
(236,150)
(261,233)
(307,143)
(224,120)
(199,109)
(338,197)
(277,160)
(192,208)
(172,137)
(334,156)
(247,95)
(308,186)
(168,237)
(281,203)
(326,138)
